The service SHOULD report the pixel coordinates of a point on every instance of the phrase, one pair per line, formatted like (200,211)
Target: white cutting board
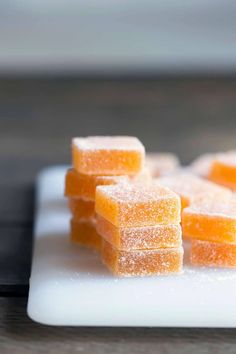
(70,285)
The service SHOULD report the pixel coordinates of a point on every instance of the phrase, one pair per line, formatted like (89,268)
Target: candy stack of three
(140,227)
(98,161)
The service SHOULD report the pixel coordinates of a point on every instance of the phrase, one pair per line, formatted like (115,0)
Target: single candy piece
(223,170)
(142,262)
(161,163)
(81,209)
(83,232)
(108,155)
(192,189)
(213,254)
(84,186)
(201,166)
(211,221)
(134,205)
(148,237)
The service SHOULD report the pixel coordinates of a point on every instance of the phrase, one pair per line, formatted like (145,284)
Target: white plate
(70,286)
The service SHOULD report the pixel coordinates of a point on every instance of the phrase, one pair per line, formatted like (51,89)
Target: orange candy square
(148,237)
(211,221)
(81,209)
(84,186)
(83,232)
(103,155)
(223,170)
(213,254)
(142,262)
(135,205)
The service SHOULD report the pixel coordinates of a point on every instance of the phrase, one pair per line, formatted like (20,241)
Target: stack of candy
(140,226)
(99,161)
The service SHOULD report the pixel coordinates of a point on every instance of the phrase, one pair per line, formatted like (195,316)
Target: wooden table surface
(38,117)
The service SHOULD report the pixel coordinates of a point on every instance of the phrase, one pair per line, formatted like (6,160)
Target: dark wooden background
(38,117)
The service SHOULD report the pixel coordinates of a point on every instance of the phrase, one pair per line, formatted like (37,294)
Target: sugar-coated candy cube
(84,186)
(147,237)
(81,209)
(134,205)
(142,262)
(83,232)
(223,170)
(211,221)
(213,254)
(108,155)
(201,166)
(192,189)
(161,163)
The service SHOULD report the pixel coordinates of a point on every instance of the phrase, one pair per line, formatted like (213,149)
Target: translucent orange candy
(84,186)
(81,209)
(211,221)
(84,232)
(103,155)
(161,163)
(213,254)
(142,262)
(223,170)
(134,205)
(192,189)
(148,237)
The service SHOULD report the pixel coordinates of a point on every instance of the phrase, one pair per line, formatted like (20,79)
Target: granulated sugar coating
(213,254)
(142,262)
(223,170)
(193,189)
(201,166)
(84,186)
(81,209)
(83,232)
(134,238)
(161,163)
(211,221)
(114,155)
(135,205)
